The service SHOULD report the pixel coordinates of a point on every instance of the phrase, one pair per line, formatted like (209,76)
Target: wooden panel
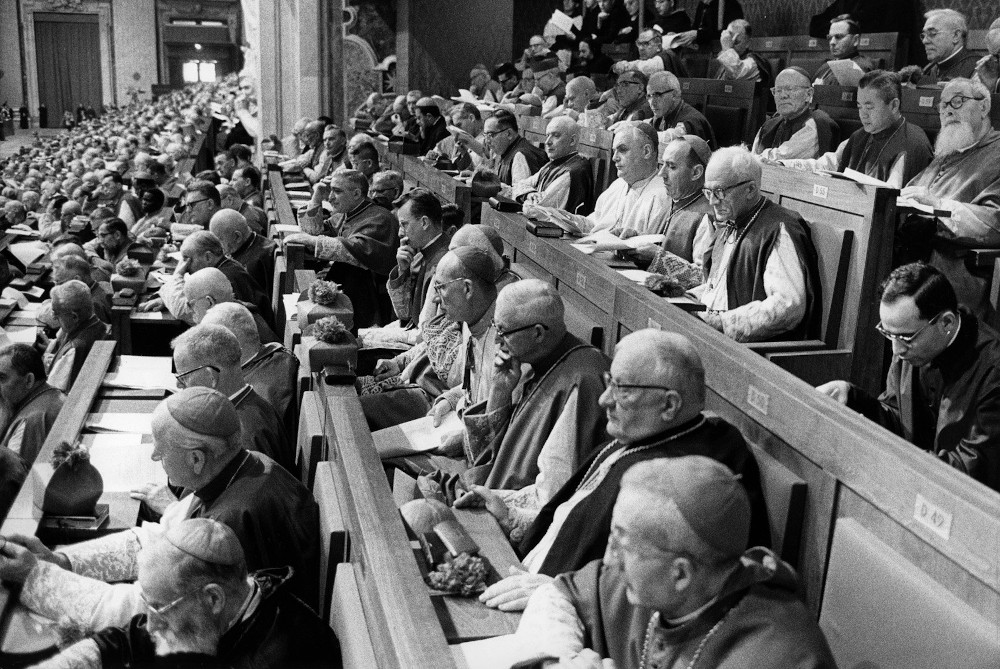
(333,537)
(347,618)
(446,187)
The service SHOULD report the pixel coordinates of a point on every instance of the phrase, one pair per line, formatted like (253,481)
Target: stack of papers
(142,373)
(603,240)
(639,276)
(124,460)
(29,252)
(415,436)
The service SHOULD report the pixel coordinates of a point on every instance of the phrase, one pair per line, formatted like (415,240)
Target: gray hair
(742,162)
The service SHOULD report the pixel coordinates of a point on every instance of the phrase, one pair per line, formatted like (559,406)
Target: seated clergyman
(202,608)
(197,439)
(941,392)
(675,588)
(567,180)
(654,403)
(796,130)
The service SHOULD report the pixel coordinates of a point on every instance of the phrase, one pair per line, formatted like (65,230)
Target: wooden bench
(850,467)
(841,103)
(447,188)
(731,107)
(811,52)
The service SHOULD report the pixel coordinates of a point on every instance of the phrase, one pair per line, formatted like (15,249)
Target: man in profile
(677,584)
(567,180)
(943,387)
(844,37)
(30,403)
(672,116)
(79,328)
(513,157)
(944,38)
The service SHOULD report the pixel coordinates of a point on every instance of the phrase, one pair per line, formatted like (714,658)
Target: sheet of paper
(603,240)
(857,177)
(562,219)
(286,228)
(159,276)
(907,203)
(562,21)
(17,336)
(142,372)
(637,275)
(124,461)
(499,652)
(14,294)
(847,71)
(415,436)
(28,252)
(127,423)
(291,311)
(176,255)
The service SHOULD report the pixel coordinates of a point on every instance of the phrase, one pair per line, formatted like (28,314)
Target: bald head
(68,250)
(561,137)
(580,92)
(72,304)
(473,235)
(237,319)
(206,288)
(231,228)
(531,313)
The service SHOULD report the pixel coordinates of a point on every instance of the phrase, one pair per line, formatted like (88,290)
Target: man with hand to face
(676,586)
(963,180)
(513,157)
(941,389)
(567,180)
(796,130)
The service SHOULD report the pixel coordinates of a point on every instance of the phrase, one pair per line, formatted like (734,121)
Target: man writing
(941,389)
(431,123)
(636,202)
(887,146)
(567,180)
(796,130)
(677,587)
(963,180)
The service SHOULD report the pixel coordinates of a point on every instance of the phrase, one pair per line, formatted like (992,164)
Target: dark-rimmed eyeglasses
(505,334)
(439,286)
(180,376)
(958,101)
(659,94)
(182,207)
(615,387)
(905,339)
(161,610)
(720,192)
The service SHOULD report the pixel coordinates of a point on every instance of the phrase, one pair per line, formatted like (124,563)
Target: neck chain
(871,141)
(733,230)
(586,481)
(674,209)
(654,621)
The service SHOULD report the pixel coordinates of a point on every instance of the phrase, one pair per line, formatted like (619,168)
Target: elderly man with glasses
(964,181)
(843,38)
(652,57)
(513,158)
(944,36)
(654,403)
(943,387)
(197,439)
(796,130)
(672,116)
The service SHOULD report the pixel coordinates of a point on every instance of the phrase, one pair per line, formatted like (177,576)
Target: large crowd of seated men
(638,518)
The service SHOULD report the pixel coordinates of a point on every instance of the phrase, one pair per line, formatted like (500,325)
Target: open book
(857,177)
(415,436)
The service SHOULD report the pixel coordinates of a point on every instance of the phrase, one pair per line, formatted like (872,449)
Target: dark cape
(274,516)
(411,289)
(281,632)
(874,154)
(962,63)
(371,234)
(706,20)
(510,462)
(676,21)
(581,181)
(262,428)
(584,535)
(532,154)
(245,287)
(694,122)
(754,243)
(81,341)
(35,414)
(429,137)
(273,373)
(256,254)
(766,625)
(950,407)
(682,224)
(778,130)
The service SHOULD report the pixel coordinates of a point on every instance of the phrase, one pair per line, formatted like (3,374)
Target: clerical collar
(666,434)
(211,490)
(685,200)
(559,161)
(364,204)
(552,357)
(240,394)
(888,131)
(642,183)
(431,242)
(483,324)
(945,60)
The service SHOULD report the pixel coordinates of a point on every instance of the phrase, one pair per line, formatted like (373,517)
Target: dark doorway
(68,54)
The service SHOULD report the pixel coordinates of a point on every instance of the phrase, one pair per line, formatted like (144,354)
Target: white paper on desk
(603,240)
(562,219)
(125,462)
(14,294)
(857,177)
(907,203)
(637,275)
(17,336)
(28,252)
(415,436)
(142,372)
(285,228)
(23,232)
(159,276)
(498,652)
(176,255)
(120,423)
(848,72)
(298,184)
(291,310)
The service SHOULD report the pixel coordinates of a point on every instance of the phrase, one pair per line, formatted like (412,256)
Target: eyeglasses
(160,610)
(720,192)
(505,334)
(931,33)
(659,94)
(646,43)
(837,37)
(905,339)
(439,287)
(628,82)
(191,303)
(181,207)
(180,376)
(617,388)
(957,101)
(618,543)
(787,90)
(494,133)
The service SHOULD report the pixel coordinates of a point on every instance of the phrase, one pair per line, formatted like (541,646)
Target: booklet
(415,436)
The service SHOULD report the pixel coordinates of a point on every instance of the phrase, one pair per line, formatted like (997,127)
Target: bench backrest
(728,106)
(841,103)
(811,52)
(785,498)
